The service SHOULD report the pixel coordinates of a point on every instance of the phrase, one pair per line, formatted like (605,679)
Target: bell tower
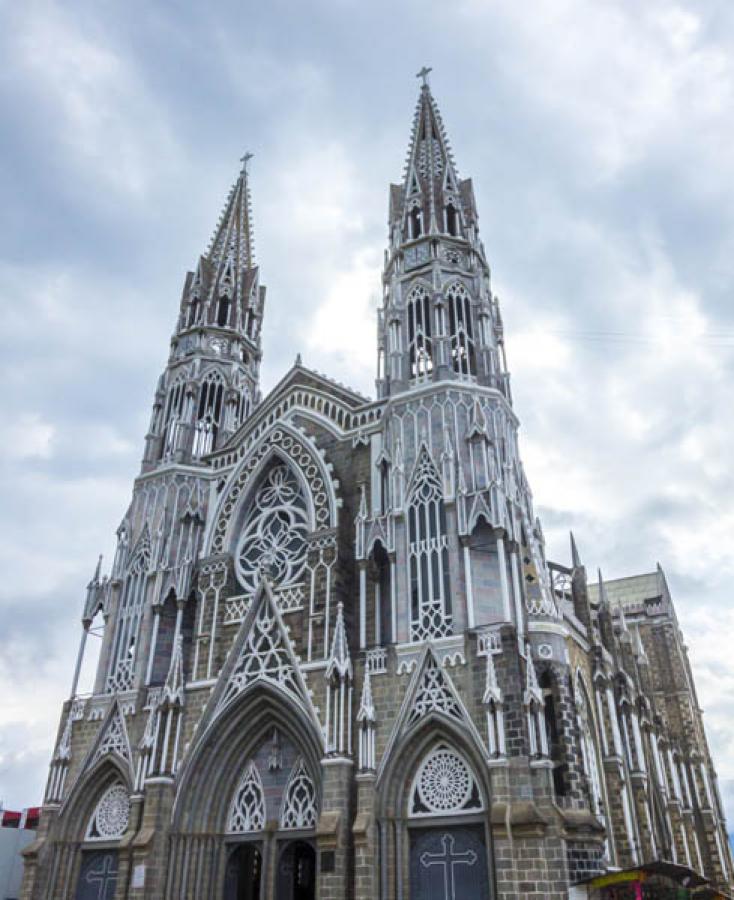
(211,381)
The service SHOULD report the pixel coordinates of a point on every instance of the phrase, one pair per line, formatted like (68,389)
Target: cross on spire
(424,75)
(245,159)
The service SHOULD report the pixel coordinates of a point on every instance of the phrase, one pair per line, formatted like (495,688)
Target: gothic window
(243,407)
(384,474)
(250,324)
(208,415)
(428,554)
(194,310)
(248,805)
(588,747)
(299,801)
(415,222)
(174,415)
(554,731)
(223,311)
(394,336)
(273,537)
(419,333)
(462,336)
(452,219)
(111,816)
(382,593)
(444,786)
(130,614)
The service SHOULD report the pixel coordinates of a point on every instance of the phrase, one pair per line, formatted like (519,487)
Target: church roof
(630,591)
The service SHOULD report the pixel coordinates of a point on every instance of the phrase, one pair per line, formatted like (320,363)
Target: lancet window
(452,219)
(419,333)
(299,801)
(242,408)
(444,786)
(247,812)
(223,307)
(428,554)
(553,730)
(175,406)
(588,747)
(463,358)
(415,222)
(132,603)
(273,538)
(208,415)
(194,312)
(111,815)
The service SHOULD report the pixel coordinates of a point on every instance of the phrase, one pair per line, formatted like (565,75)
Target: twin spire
(233,237)
(431,198)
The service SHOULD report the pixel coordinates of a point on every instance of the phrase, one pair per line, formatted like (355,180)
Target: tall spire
(431,183)
(211,383)
(233,237)
(439,320)
(223,292)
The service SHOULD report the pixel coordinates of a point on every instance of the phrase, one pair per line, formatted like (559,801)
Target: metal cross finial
(245,159)
(424,75)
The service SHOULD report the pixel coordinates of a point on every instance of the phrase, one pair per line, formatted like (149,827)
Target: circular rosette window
(444,785)
(273,539)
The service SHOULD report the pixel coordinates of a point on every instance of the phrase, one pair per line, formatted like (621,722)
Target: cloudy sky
(599,136)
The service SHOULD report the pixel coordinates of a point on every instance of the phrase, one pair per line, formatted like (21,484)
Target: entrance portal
(98,876)
(297,872)
(448,864)
(244,868)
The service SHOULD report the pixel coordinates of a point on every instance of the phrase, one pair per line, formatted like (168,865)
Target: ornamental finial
(245,159)
(424,75)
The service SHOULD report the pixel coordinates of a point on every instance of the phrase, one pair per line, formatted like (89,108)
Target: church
(336,662)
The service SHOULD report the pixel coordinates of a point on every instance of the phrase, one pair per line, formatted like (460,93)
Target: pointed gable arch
(431,698)
(262,655)
(297,450)
(108,759)
(93,782)
(228,736)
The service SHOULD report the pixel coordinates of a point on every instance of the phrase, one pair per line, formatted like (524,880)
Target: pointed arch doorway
(243,877)
(297,871)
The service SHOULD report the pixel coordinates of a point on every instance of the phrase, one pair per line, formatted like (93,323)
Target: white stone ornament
(273,539)
(444,785)
(248,805)
(299,801)
(110,819)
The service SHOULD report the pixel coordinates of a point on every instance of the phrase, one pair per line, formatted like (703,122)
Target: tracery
(444,785)
(299,801)
(273,538)
(111,815)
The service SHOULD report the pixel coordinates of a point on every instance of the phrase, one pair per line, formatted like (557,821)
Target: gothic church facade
(335,660)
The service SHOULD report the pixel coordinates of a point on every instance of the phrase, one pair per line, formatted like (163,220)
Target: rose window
(273,540)
(444,785)
(111,816)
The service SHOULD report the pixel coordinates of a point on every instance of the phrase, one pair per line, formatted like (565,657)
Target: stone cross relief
(448,860)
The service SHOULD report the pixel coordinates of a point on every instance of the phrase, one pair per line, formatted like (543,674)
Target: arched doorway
(244,873)
(297,872)
(447,829)
(108,823)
